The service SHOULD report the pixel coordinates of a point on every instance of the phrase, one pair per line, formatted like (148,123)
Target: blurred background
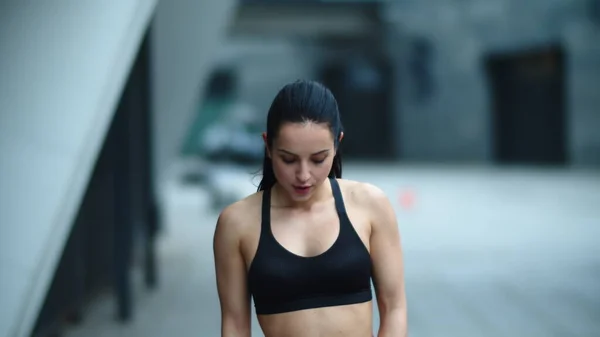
(126,126)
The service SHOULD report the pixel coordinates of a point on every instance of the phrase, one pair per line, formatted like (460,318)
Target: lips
(302,189)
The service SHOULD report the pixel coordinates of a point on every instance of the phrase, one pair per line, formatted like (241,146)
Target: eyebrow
(293,154)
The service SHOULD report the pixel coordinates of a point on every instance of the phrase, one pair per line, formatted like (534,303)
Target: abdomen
(354,320)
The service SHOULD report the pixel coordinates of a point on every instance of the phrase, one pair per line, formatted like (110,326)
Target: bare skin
(308,226)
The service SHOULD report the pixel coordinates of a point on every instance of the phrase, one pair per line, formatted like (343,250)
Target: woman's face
(302,156)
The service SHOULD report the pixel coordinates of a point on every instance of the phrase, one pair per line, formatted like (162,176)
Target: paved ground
(488,252)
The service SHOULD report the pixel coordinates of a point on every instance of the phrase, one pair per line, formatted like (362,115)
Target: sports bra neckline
(266,222)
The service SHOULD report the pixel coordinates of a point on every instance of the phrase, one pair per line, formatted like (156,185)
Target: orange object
(407,199)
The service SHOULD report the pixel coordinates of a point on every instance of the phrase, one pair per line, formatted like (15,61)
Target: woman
(307,244)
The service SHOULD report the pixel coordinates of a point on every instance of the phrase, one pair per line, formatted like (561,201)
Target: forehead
(303,138)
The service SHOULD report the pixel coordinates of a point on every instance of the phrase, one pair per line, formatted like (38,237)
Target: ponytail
(268,176)
(336,168)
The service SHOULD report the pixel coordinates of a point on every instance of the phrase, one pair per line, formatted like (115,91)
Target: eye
(288,160)
(319,161)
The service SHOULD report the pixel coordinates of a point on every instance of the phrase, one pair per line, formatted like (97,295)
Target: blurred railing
(117,221)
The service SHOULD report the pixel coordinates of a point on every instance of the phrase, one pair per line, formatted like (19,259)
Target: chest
(300,268)
(309,234)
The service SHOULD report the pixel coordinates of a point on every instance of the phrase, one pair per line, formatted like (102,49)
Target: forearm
(393,323)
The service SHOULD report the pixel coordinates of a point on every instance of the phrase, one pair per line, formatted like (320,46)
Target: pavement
(488,252)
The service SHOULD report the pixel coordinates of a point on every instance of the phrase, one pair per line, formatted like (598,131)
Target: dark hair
(298,102)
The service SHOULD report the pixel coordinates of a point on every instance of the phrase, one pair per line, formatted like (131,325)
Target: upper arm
(231,277)
(386,252)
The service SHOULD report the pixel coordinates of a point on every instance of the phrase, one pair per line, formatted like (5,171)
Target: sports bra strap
(266,208)
(337,195)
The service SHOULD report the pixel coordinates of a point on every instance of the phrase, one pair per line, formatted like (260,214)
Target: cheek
(282,170)
(322,171)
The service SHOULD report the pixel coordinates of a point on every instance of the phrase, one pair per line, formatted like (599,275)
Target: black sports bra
(281,281)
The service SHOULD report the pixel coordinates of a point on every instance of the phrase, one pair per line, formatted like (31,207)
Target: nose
(303,173)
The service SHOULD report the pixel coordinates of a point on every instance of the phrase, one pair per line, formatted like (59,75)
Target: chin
(297,196)
(305,197)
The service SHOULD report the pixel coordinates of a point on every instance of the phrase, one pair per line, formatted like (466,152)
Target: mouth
(302,189)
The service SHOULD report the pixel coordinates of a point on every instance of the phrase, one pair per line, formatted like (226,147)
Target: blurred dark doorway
(362,88)
(528,104)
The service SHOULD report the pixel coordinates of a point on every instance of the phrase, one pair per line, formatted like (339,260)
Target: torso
(308,234)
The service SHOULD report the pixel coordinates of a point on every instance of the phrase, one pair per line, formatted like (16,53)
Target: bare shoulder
(363,194)
(371,199)
(238,218)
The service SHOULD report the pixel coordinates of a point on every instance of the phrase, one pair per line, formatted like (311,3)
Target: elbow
(392,306)
(235,327)
(396,315)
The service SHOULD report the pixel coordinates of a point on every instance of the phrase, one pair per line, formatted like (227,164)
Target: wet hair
(300,102)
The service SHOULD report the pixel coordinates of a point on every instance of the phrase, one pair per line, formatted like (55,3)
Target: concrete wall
(455,123)
(63,65)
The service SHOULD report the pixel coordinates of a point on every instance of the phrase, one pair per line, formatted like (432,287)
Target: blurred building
(512,81)
(446,81)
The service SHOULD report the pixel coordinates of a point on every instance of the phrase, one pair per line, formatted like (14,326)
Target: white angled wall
(62,67)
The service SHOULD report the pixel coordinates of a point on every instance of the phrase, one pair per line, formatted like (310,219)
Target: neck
(321,193)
